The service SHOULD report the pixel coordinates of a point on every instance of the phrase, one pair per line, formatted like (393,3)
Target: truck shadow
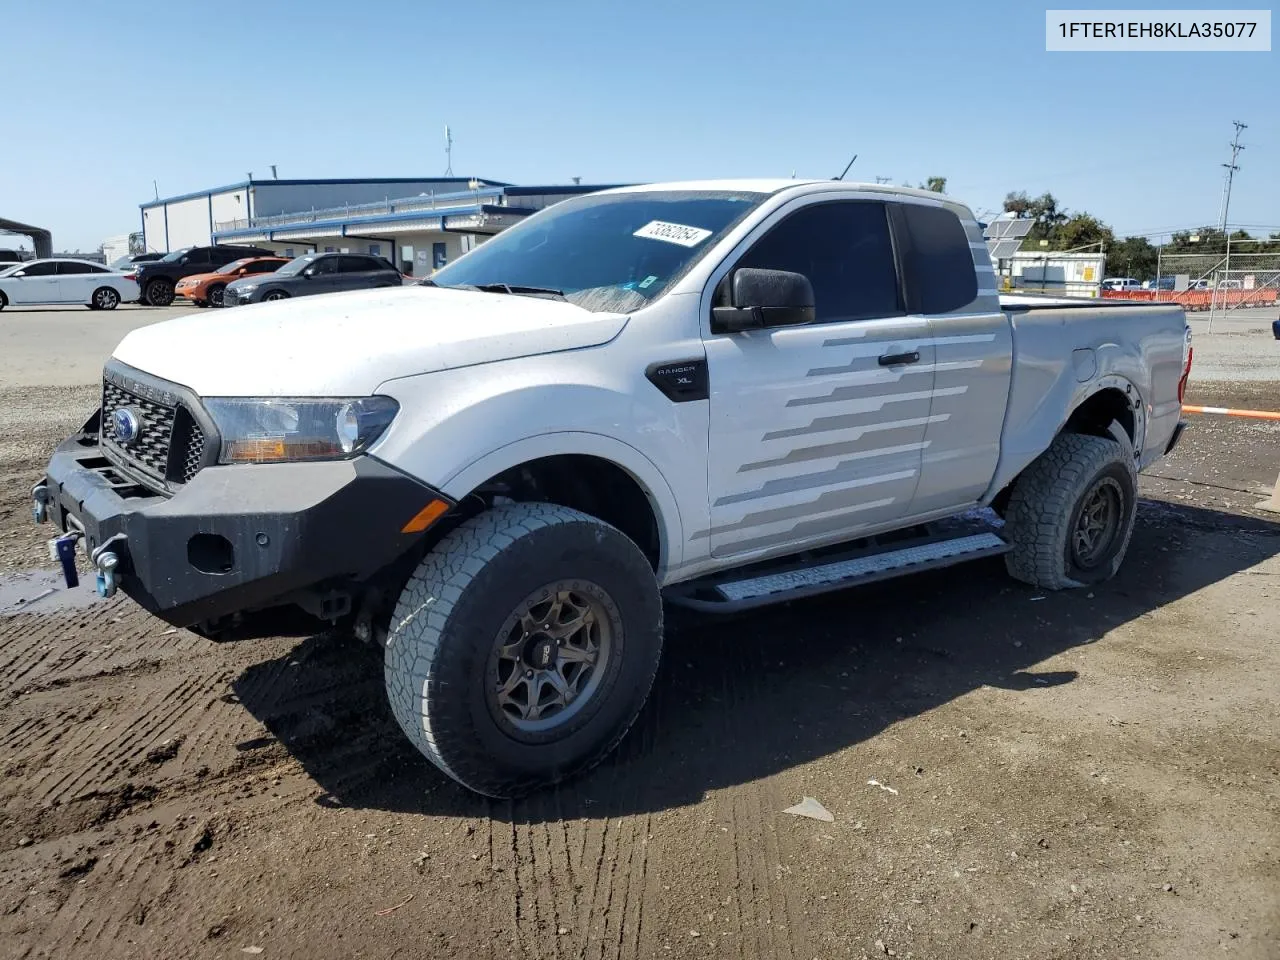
(740,699)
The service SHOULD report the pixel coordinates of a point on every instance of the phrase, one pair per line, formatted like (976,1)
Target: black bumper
(236,538)
(1177,435)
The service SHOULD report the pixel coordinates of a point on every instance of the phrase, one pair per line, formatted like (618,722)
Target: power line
(1232,167)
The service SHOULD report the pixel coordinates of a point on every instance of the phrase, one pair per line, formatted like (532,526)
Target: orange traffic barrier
(1228,412)
(1200,299)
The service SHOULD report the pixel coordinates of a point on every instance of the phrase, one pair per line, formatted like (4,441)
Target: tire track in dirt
(761,907)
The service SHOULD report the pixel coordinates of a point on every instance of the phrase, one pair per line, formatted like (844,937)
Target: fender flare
(1115,381)
(638,466)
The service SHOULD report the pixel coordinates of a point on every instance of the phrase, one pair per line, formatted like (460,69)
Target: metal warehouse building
(419,224)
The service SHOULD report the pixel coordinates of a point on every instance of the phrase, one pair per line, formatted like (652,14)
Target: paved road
(59,347)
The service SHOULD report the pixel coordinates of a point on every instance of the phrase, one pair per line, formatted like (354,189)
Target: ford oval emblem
(125,424)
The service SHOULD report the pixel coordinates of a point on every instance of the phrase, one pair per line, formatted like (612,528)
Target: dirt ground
(1011,774)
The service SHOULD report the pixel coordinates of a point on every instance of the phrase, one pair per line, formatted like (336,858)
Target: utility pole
(448,151)
(1232,167)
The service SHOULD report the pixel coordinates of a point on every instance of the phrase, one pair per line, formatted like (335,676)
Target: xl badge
(126,425)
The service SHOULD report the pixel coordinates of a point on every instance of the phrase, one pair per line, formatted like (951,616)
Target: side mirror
(765,298)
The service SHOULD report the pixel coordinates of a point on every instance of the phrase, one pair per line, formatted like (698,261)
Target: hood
(197,278)
(346,344)
(253,279)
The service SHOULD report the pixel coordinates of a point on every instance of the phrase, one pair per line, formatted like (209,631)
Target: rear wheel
(215,295)
(1071,513)
(160,292)
(105,298)
(523,647)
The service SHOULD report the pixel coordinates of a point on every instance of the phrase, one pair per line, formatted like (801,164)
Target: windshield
(296,265)
(175,256)
(122,264)
(8,268)
(612,252)
(234,265)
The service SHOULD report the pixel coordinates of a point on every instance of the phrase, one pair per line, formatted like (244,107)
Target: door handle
(894,359)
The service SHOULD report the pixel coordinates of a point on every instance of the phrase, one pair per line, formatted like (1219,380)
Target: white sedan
(65,281)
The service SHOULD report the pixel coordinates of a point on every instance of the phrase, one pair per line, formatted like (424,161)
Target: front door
(38,283)
(817,430)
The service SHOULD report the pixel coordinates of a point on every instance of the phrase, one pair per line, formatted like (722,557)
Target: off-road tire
(159,292)
(1046,504)
(448,619)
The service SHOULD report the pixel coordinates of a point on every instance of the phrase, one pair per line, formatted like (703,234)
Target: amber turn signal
(425,517)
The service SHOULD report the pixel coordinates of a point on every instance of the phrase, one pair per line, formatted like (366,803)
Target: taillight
(1187,353)
(131,276)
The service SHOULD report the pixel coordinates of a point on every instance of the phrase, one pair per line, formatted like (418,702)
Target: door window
(937,261)
(325,265)
(845,250)
(67,267)
(263,266)
(39,270)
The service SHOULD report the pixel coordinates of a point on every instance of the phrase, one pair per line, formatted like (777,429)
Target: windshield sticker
(646,282)
(673,233)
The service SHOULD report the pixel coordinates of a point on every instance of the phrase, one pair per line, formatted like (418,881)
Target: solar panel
(1009,229)
(1003,249)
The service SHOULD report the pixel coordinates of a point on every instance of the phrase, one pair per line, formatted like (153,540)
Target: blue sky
(103,98)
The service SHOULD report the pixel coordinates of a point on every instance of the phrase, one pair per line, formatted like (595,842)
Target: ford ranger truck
(717,394)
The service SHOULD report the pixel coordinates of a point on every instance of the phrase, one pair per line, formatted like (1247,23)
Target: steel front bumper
(236,538)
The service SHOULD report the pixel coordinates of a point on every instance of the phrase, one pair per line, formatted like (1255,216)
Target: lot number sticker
(673,233)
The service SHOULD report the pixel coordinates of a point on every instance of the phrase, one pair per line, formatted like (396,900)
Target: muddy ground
(1087,774)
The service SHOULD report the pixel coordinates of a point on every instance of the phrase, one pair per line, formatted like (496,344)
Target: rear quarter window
(937,263)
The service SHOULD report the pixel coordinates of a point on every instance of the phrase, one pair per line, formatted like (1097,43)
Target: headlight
(273,430)
(245,291)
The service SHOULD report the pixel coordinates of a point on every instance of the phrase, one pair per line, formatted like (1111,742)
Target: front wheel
(1071,514)
(523,647)
(105,298)
(160,292)
(276,295)
(215,295)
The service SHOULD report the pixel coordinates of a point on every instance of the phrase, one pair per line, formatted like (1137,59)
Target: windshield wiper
(515,288)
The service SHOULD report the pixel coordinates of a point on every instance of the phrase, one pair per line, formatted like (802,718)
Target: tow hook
(40,502)
(107,562)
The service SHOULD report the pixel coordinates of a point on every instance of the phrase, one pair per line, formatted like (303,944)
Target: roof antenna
(846,169)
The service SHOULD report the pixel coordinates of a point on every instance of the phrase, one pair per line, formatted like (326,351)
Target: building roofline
(341,224)
(319,181)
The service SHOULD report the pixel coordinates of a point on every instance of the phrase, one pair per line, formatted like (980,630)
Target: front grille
(149,451)
(169,446)
(194,459)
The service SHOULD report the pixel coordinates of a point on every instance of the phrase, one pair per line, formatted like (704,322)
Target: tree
(1132,257)
(1044,210)
(1081,230)
(936,184)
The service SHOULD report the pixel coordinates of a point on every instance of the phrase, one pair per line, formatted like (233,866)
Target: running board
(780,582)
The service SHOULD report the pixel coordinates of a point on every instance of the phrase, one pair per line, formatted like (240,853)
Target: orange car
(205,289)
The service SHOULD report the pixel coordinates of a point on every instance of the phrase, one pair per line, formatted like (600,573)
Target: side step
(792,579)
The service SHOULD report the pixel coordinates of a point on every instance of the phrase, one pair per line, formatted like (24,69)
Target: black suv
(157,279)
(314,273)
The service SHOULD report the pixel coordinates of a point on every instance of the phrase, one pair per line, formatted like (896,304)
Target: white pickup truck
(720,394)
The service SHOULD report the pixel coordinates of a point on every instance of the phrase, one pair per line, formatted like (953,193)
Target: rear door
(816,431)
(77,281)
(38,283)
(357,272)
(949,281)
